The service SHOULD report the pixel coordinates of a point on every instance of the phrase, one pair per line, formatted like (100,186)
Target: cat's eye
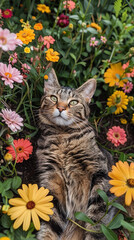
(73,102)
(53,98)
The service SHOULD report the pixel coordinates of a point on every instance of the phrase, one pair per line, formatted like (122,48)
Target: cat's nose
(61,108)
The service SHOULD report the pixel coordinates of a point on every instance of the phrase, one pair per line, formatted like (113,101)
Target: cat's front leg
(46,233)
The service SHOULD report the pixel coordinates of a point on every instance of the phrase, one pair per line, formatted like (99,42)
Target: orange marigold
(26,35)
(52,55)
(38,26)
(96,26)
(43,8)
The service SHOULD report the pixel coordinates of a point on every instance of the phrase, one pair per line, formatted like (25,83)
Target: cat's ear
(52,81)
(87,90)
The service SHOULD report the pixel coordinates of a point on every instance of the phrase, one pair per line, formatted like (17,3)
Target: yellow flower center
(130,182)
(3,40)
(6,13)
(24,34)
(116,135)
(19,149)
(30,205)
(7,74)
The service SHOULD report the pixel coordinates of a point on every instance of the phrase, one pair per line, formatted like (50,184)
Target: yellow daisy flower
(26,35)
(34,203)
(5,238)
(123,181)
(38,26)
(123,120)
(52,55)
(118,99)
(110,76)
(43,8)
(27,50)
(96,26)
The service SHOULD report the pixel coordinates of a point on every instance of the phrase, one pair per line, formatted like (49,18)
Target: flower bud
(5,208)
(8,157)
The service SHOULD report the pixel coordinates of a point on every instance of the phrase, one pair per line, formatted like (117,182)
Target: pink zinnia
(25,68)
(13,58)
(70,5)
(48,40)
(116,135)
(8,41)
(125,65)
(22,149)
(93,42)
(103,39)
(12,119)
(10,74)
(127,87)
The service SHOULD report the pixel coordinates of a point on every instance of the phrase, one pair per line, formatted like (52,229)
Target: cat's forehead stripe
(65,93)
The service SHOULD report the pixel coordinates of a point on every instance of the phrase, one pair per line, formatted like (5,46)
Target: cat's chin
(62,122)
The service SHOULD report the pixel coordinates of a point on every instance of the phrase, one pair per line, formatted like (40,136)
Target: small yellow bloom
(26,25)
(132,120)
(123,121)
(96,26)
(71,26)
(123,181)
(43,8)
(33,17)
(8,157)
(64,32)
(45,77)
(5,238)
(52,55)
(5,208)
(21,20)
(38,26)
(32,204)
(130,98)
(27,50)
(118,99)
(11,7)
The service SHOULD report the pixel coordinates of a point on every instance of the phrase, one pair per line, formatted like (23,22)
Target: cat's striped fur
(70,163)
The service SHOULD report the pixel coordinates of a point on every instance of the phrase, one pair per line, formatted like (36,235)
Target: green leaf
(8,194)
(119,206)
(65,61)
(109,234)
(66,39)
(106,22)
(123,157)
(116,223)
(73,56)
(16,182)
(29,126)
(83,217)
(92,30)
(117,7)
(112,109)
(127,226)
(7,184)
(82,63)
(103,195)
(76,17)
(6,221)
(131,236)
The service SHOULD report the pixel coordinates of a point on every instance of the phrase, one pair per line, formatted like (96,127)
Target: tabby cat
(70,163)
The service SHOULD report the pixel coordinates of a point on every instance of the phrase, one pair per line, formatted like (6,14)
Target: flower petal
(27,220)
(43,215)
(23,194)
(35,219)
(118,191)
(128,197)
(19,220)
(17,201)
(16,212)
(43,209)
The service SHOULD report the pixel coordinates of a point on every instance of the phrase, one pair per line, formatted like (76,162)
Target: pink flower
(116,135)
(12,119)
(93,42)
(8,41)
(25,68)
(69,5)
(48,40)
(0,13)
(125,65)
(103,39)
(13,58)
(127,87)
(10,74)
(129,71)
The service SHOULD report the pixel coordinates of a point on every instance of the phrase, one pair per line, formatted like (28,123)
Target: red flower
(22,149)
(116,135)
(63,21)
(7,13)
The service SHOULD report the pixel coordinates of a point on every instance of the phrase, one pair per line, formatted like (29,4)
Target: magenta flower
(13,58)
(10,74)
(116,135)
(93,42)
(63,21)
(8,41)
(127,87)
(103,39)
(12,119)
(70,5)
(48,40)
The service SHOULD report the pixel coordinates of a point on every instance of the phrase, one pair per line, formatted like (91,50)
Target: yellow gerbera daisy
(26,35)
(118,99)
(123,181)
(43,8)
(110,76)
(96,26)
(34,202)
(5,238)
(52,55)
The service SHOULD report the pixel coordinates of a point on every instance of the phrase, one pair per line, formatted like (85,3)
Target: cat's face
(65,106)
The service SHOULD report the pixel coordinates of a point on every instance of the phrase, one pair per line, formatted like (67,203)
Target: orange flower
(96,26)
(38,26)
(21,150)
(52,55)
(26,35)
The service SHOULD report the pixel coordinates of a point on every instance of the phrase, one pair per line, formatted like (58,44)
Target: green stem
(56,16)
(88,230)
(112,54)
(113,218)
(87,7)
